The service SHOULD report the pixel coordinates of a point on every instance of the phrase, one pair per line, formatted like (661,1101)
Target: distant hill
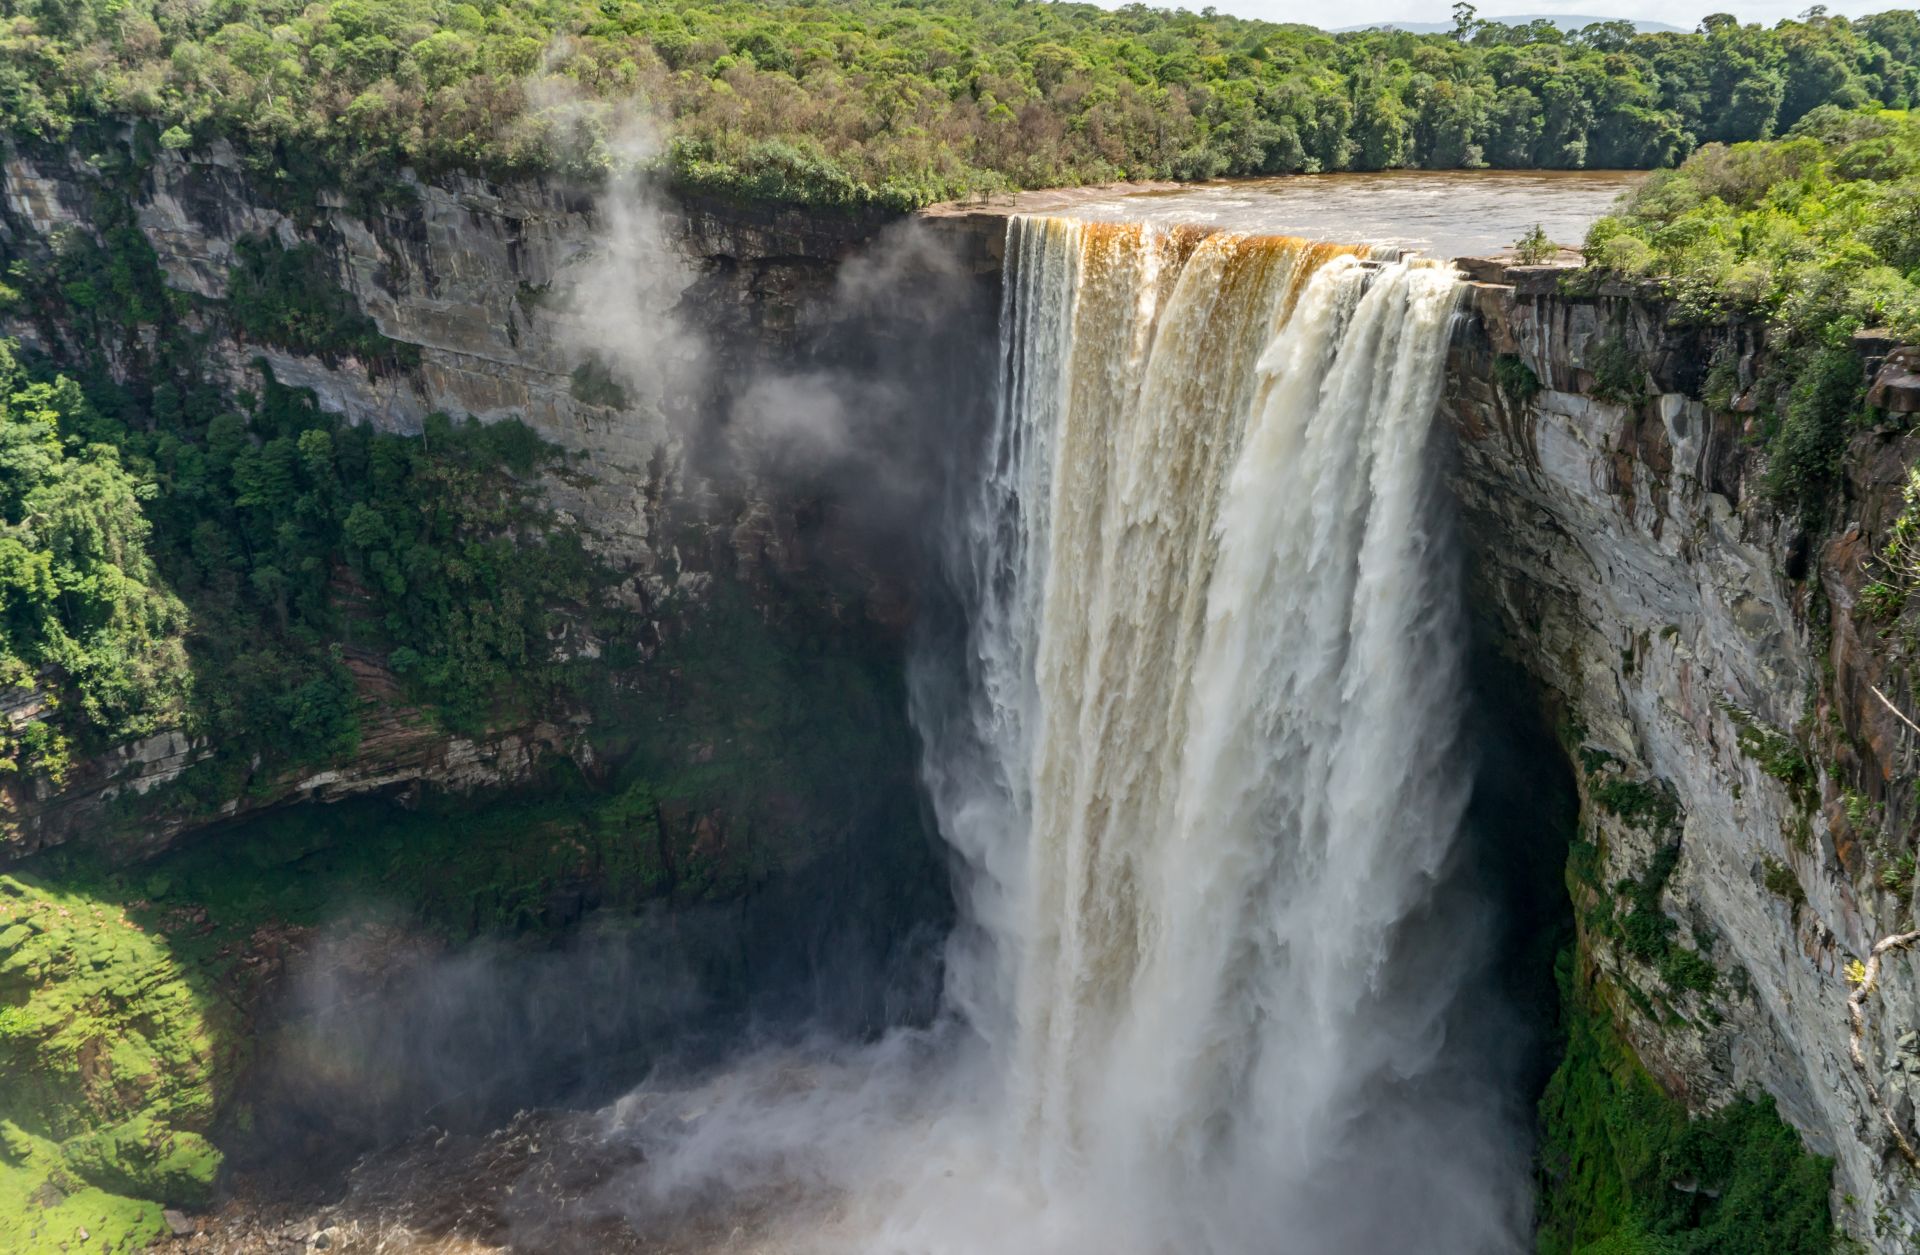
(1566,21)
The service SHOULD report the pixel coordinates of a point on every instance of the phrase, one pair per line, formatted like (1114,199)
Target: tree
(1379,130)
(1534,247)
(1612,36)
(87,622)
(1463,20)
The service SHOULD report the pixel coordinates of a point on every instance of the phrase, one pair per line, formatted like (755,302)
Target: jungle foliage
(1625,1171)
(1817,233)
(128,994)
(178,556)
(84,620)
(903,102)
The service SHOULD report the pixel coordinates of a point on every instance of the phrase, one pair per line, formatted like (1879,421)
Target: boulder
(1896,388)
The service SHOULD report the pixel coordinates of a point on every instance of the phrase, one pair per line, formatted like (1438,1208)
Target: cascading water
(1219,986)
(1216,682)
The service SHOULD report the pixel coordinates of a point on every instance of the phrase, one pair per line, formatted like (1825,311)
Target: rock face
(718,374)
(1713,682)
(478,277)
(400,747)
(1896,387)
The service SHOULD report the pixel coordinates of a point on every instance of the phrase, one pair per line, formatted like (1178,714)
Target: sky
(1682,13)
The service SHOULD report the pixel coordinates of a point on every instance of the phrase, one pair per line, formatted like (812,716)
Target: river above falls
(1440,213)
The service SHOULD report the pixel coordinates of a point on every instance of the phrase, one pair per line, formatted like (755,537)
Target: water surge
(1218,987)
(1216,679)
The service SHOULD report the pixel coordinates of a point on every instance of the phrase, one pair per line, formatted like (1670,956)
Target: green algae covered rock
(108,1067)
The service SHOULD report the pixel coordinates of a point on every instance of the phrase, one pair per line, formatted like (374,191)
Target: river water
(1441,213)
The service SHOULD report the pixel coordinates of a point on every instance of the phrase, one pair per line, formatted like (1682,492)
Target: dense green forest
(903,102)
(1818,235)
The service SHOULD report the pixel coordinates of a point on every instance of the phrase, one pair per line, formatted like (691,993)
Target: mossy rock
(144,1158)
(45,1206)
(1625,1170)
(114,1037)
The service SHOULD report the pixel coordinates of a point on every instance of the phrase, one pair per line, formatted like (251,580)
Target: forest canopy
(1817,234)
(904,102)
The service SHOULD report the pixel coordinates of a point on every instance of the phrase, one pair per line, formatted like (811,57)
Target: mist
(1192,705)
(1189,673)
(857,413)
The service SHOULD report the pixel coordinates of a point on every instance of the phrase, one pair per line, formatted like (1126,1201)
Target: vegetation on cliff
(259,574)
(108,1050)
(1814,236)
(287,297)
(187,564)
(84,618)
(185,556)
(130,996)
(901,103)
(1817,233)
(1625,1171)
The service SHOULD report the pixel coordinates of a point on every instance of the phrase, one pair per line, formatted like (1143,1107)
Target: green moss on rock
(113,1045)
(44,1207)
(1624,1170)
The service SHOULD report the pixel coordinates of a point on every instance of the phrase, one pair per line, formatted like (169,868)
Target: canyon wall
(747,406)
(502,294)
(1740,723)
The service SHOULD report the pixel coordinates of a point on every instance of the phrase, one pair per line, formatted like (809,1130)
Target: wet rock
(178,1224)
(1896,388)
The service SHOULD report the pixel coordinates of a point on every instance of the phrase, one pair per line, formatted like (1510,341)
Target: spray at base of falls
(1218,989)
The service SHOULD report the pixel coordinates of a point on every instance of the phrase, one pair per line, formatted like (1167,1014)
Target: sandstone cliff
(1744,749)
(1743,729)
(773,339)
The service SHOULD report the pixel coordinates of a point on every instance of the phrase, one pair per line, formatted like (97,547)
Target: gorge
(1210,695)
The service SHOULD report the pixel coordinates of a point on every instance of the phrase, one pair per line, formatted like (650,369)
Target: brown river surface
(1440,213)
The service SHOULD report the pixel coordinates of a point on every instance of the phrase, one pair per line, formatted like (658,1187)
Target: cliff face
(477,276)
(507,299)
(1716,682)
(749,405)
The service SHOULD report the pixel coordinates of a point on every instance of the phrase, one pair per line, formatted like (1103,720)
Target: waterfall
(1212,716)
(1220,985)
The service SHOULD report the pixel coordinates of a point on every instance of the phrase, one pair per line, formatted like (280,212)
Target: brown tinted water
(1441,213)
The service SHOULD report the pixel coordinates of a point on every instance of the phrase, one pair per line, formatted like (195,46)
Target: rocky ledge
(1730,706)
